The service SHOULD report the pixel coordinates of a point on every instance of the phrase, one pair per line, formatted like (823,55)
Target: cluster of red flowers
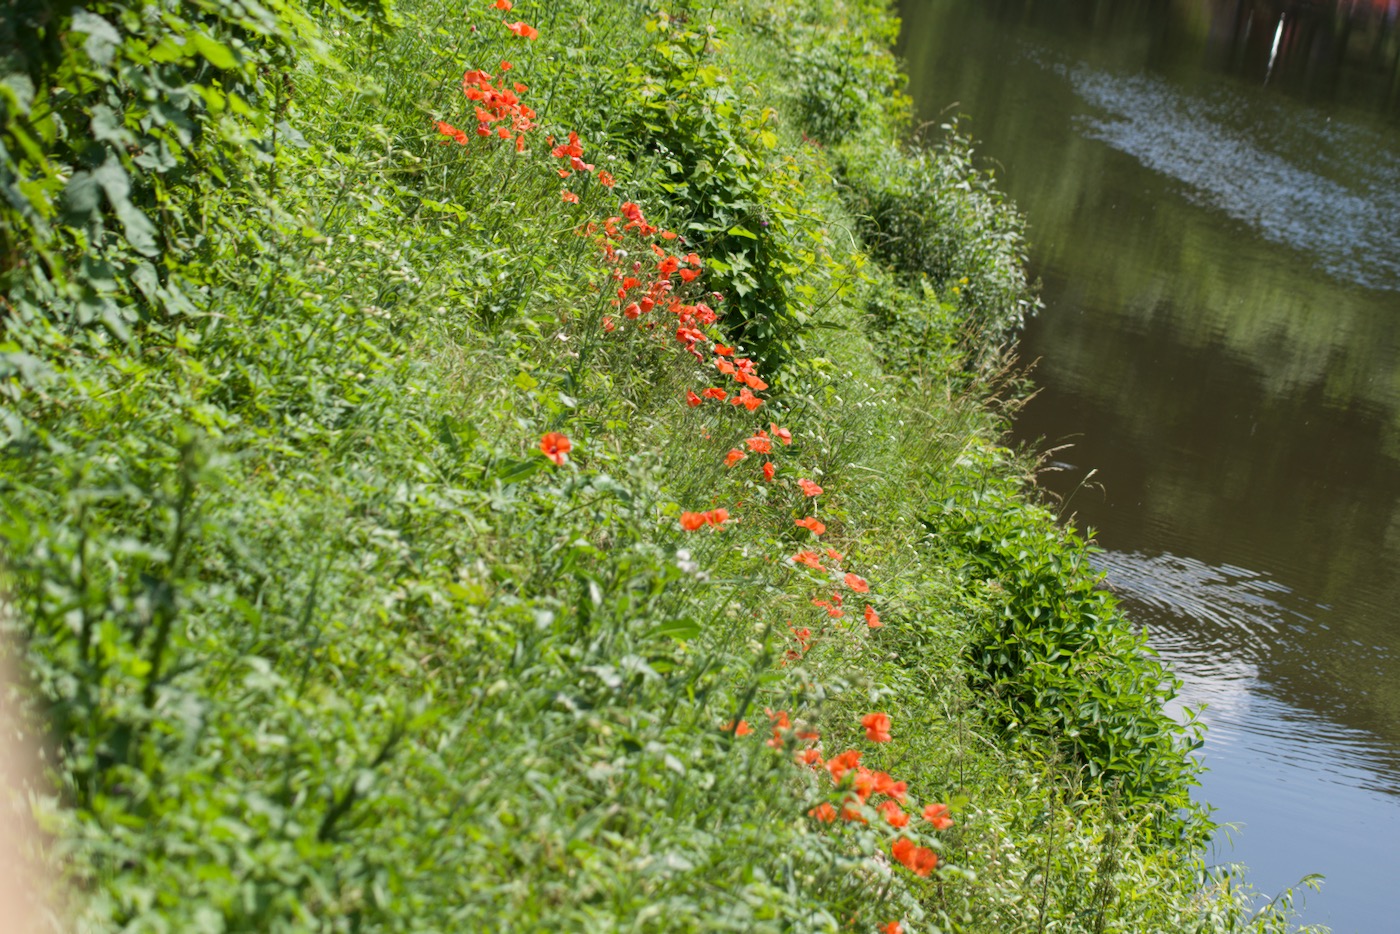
(860,794)
(859,789)
(494,104)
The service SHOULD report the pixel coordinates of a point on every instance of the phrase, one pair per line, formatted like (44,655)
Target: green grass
(320,639)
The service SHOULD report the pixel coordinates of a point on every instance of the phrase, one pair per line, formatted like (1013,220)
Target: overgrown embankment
(534,467)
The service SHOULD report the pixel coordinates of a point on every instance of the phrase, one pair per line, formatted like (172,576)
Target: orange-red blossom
(918,859)
(877,727)
(556,447)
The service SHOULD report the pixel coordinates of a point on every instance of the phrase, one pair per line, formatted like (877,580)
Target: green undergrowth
(318,636)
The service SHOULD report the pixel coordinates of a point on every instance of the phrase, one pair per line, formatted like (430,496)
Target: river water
(1213,189)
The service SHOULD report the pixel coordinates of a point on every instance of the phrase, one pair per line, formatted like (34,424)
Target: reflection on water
(1219,242)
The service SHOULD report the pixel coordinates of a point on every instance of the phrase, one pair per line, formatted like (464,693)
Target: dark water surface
(1213,188)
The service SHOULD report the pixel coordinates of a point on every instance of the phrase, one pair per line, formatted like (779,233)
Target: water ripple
(1341,211)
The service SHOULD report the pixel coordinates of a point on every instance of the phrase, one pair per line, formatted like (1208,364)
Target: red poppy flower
(714,392)
(725,367)
(812,524)
(569,196)
(503,5)
(752,381)
(733,457)
(717,517)
(759,444)
(885,785)
(748,400)
(838,766)
(723,351)
(667,235)
(892,928)
(850,811)
(742,729)
(605,179)
(810,488)
(505,66)
(692,399)
(810,757)
(937,815)
(523,30)
(864,783)
(872,619)
(609,325)
(823,812)
(894,815)
(632,312)
(690,521)
(834,555)
(782,434)
(877,727)
(556,447)
(810,558)
(688,275)
(857,583)
(447,129)
(919,859)
(768,471)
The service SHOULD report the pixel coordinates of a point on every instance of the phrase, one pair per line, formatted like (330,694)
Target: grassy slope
(325,642)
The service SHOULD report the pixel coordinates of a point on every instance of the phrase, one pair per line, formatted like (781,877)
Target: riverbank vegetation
(535,466)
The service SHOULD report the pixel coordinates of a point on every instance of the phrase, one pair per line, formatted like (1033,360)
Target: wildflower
(835,612)
(892,928)
(748,400)
(812,524)
(556,447)
(717,517)
(733,457)
(752,381)
(918,859)
(850,811)
(937,815)
(877,727)
(667,235)
(605,179)
(864,784)
(723,351)
(872,619)
(810,757)
(569,196)
(834,555)
(692,399)
(725,367)
(503,5)
(760,443)
(632,312)
(609,325)
(823,812)
(505,66)
(893,814)
(782,434)
(690,521)
(740,729)
(803,637)
(857,583)
(447,129)
(688,275)
(810,558)
(838,766)
(885,785)
(523,30)
(810,488)
(714,392)
(768,471)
